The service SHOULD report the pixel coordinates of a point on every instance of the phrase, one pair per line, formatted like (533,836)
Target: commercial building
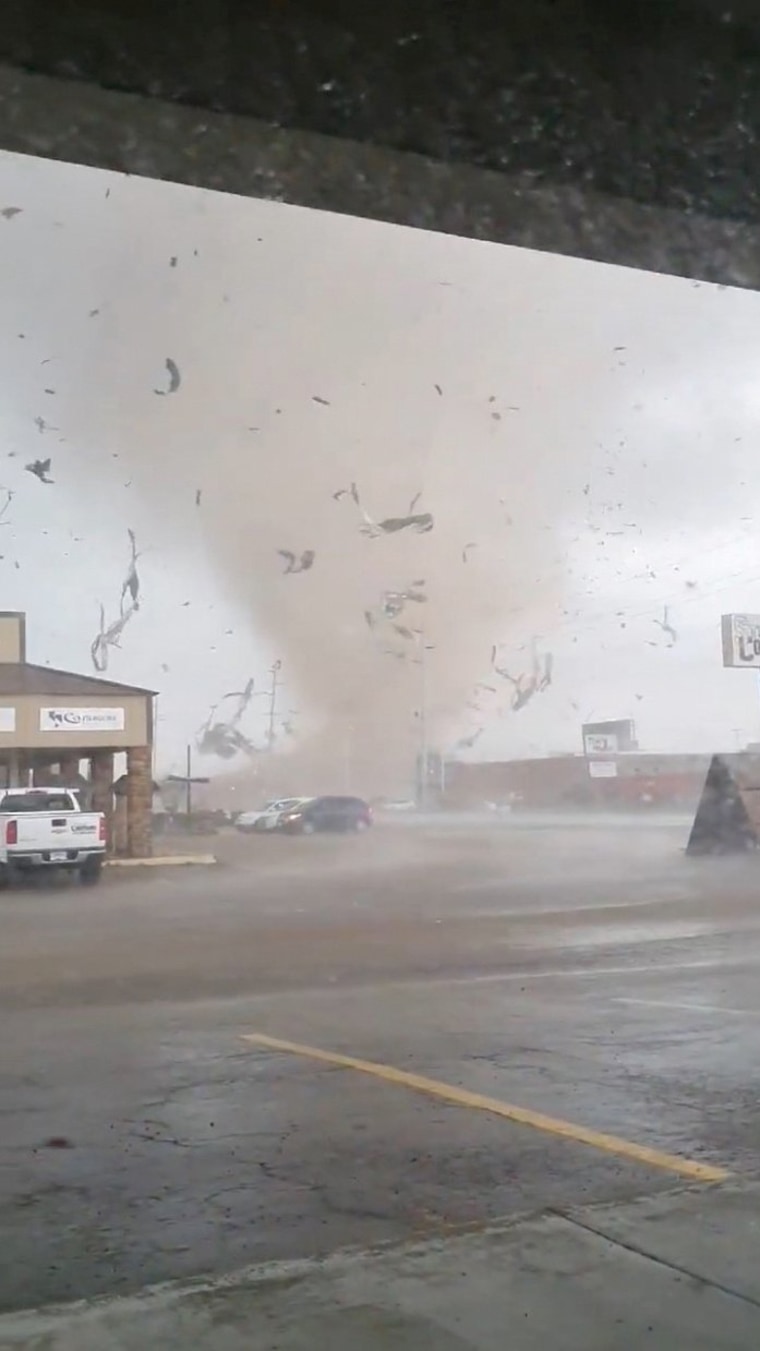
(51,721)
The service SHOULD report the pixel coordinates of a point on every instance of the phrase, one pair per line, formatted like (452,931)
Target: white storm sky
(645,390)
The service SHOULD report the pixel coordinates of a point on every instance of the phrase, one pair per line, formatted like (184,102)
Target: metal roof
(25,678)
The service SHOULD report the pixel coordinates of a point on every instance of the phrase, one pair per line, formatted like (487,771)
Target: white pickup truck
(46,828)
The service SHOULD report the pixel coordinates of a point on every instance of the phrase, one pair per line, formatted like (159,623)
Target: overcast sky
(591,432)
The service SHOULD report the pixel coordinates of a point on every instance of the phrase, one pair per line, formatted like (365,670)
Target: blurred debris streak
(295,562)
(40,469)
(109,635)
(175,379)
(420,521)
(528,683)
(667,627)
(222,736)
(6,497)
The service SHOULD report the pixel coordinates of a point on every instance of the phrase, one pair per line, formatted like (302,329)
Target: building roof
(25,678)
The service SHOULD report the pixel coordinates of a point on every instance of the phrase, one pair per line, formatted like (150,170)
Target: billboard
(741,640)
(609,738)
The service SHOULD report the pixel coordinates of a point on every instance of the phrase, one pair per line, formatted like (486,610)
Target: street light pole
(273,704)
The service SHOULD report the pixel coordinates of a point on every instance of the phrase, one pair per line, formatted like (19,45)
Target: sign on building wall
(81,719)
(741,640)
(605,743)
(609,738)
(7,719)
(602,769)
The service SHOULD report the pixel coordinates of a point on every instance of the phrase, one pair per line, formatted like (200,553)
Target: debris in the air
(414,502)
(530,683)
(422,522)
(131,583)
(404,632)
(466,550)
(8,212)
(93,314)
(438,389)
(667,627)
(173,260)
(198,493)
(7,499)
(296,563)
(40,469)
(109,635)
(43,426)
(317,399)
(175,379)
(546,678)
(58,1142)
(222,737)
(352,491)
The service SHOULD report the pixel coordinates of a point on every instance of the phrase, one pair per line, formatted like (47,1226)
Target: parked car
(43,828)
(327,813)
(268,816)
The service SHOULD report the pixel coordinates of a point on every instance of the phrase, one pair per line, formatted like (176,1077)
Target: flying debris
(467,742)
(546,678)
(666,626)
(198,494)
(7,498)
(466,550)
(530,683)
(295,563)
(317,399)
(175,379)
(40,469)
(422,522)
(131,583)
(8,212)
(43,426)
(438,389)
(404,632)
(109,635)
(222,737)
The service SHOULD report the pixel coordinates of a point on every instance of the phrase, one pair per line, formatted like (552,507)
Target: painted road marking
(461,1097)
(691,1008)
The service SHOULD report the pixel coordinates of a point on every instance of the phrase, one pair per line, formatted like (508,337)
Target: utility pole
(188,780)
(423,751)
(273,704)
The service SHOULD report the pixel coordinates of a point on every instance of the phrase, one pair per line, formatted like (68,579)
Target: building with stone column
(51,721)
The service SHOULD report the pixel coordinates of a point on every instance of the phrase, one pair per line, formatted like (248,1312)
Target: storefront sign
(600,745)
(7,719)
(602,769)
(741,640)
(81,719)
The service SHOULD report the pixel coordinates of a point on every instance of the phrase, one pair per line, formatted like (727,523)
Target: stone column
(68,769)
(101,776)
(139,801)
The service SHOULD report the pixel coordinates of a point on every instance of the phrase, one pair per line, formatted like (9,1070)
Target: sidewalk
(677,1272)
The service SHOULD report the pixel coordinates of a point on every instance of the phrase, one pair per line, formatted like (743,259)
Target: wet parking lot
(547,1013)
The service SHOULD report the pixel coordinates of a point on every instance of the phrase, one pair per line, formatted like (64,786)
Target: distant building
(613,781)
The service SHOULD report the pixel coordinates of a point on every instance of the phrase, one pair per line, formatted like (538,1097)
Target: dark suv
(327,813)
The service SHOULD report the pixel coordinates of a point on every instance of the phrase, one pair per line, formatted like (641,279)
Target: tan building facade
(52,720)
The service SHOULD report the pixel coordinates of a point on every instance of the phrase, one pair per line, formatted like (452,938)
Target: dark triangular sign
(727,820)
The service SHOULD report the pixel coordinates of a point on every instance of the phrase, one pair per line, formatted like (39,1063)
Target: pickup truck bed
(42,828)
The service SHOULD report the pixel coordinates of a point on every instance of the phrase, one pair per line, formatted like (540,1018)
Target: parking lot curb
(162,861)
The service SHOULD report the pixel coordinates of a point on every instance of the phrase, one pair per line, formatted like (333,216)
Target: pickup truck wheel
(89,873)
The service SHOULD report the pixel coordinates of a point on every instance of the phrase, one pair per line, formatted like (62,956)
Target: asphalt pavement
(416,1036)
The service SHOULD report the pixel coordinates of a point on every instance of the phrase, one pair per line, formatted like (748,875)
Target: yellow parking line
(462,1097)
